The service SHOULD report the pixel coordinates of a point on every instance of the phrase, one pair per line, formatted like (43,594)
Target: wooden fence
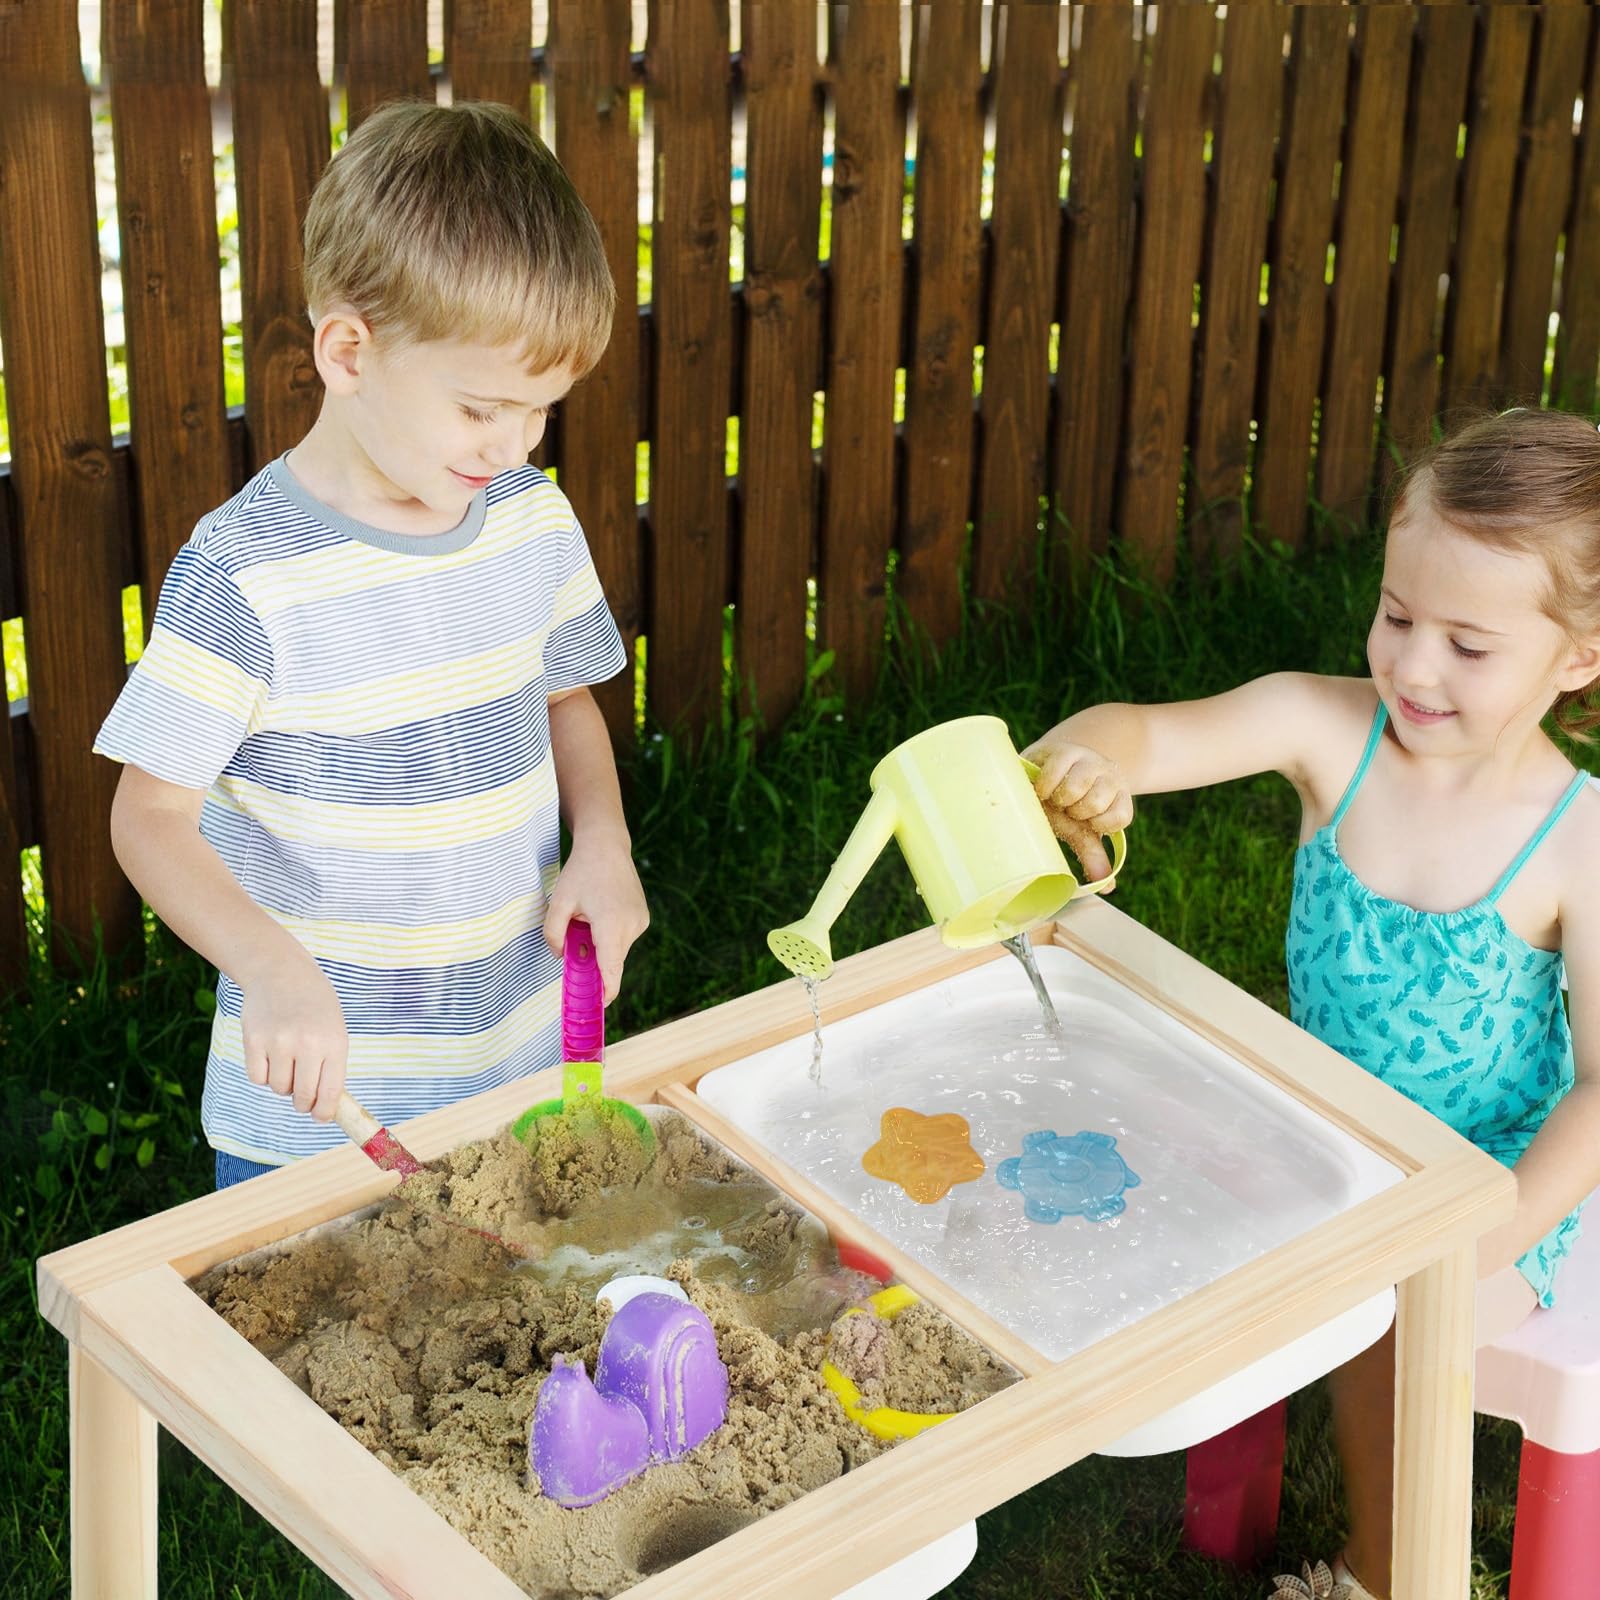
(1209,262)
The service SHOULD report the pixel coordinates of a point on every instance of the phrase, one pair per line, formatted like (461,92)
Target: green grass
(102,1079)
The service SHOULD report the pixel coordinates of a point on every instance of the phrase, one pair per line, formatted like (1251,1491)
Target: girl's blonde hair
(457,222)
(1529,482)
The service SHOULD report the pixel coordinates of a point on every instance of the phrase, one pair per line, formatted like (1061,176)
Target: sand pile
(428,1343)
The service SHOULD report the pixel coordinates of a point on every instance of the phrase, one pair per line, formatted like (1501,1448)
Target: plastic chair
(1544,1376)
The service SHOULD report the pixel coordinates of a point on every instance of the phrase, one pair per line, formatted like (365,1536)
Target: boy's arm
(1093,764)
(294,1032)
(598,882)
(1562,1164)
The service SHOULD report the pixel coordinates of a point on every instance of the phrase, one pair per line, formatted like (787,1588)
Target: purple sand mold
(662,1355)
(659,1390)
(1057,1175)
(584,1444)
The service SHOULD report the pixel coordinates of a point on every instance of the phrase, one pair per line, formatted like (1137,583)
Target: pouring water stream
(813,989)
(1022,948)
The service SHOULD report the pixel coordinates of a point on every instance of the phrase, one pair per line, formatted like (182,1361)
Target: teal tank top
(1451,1008)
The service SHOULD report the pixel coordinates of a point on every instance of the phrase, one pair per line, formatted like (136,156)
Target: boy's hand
(599,884)
(1084,795)
(295,1039)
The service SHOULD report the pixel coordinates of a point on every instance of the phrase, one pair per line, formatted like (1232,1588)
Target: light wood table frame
(144,1349)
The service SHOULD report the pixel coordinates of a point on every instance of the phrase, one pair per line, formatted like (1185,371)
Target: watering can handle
(1119,843)
(583,1005)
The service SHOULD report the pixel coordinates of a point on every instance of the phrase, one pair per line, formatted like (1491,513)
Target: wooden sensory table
(144,1349)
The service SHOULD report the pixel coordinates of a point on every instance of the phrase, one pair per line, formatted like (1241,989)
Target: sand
(428,1343)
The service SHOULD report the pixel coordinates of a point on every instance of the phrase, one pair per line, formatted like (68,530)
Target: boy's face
(438,420)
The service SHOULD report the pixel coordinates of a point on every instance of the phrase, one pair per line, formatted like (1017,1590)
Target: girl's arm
(1562,1165)
(1272,724)
(1098,759)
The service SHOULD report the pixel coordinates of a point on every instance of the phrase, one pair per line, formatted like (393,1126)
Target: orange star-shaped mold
(925,1155)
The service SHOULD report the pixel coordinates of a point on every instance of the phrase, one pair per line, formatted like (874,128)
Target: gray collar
(402,544)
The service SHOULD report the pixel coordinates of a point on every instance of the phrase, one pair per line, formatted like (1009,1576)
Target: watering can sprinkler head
(803,947)
(959,800)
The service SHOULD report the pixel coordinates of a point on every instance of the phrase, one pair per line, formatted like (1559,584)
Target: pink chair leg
(1230,1509)
(1557,1536)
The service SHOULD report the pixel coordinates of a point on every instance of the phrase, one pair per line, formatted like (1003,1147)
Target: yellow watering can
(960,801)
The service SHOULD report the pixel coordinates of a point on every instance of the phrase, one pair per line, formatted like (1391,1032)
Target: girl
(1449,859)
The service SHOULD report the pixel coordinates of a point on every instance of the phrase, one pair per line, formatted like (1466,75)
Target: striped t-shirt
(368,715)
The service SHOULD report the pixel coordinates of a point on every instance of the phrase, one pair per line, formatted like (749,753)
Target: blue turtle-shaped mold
(1061,1175)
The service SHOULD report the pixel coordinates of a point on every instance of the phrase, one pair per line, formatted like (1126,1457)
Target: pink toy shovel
(583,1043)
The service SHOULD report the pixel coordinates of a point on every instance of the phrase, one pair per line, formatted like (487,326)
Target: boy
(366,684)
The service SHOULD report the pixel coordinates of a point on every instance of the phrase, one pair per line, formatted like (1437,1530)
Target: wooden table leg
(1433,1430)
(113,1486)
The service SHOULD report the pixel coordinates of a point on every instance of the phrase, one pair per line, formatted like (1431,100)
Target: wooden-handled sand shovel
(386,1151)
(375,1140)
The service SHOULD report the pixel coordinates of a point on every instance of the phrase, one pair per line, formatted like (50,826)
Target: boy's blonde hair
(1528,482)
(458,222)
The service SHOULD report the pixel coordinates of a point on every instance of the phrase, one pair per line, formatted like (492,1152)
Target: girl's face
(1461,651)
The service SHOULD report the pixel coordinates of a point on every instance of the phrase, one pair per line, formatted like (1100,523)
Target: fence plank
(1544,191)
(946,80)
(488,45)
(782,289)
(866,264)
(13,931)
(1572,381)
(51,322)
(172,298)
(590,80)
(1296,291)
(1368,197)
(281,144)
(387,55)
(1098,267)
(1013,471)
(1249,105)
(689,501)
(1171,227)
(13,928)
(1441,71)
(1472,324)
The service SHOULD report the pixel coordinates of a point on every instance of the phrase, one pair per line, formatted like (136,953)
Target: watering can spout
(803,946)
(959,800)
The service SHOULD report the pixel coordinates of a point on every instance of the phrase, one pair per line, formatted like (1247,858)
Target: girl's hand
(1084,794)
(295,1039)
(600,884)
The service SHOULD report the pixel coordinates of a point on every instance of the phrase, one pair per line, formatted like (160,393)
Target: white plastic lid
(621,1290)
